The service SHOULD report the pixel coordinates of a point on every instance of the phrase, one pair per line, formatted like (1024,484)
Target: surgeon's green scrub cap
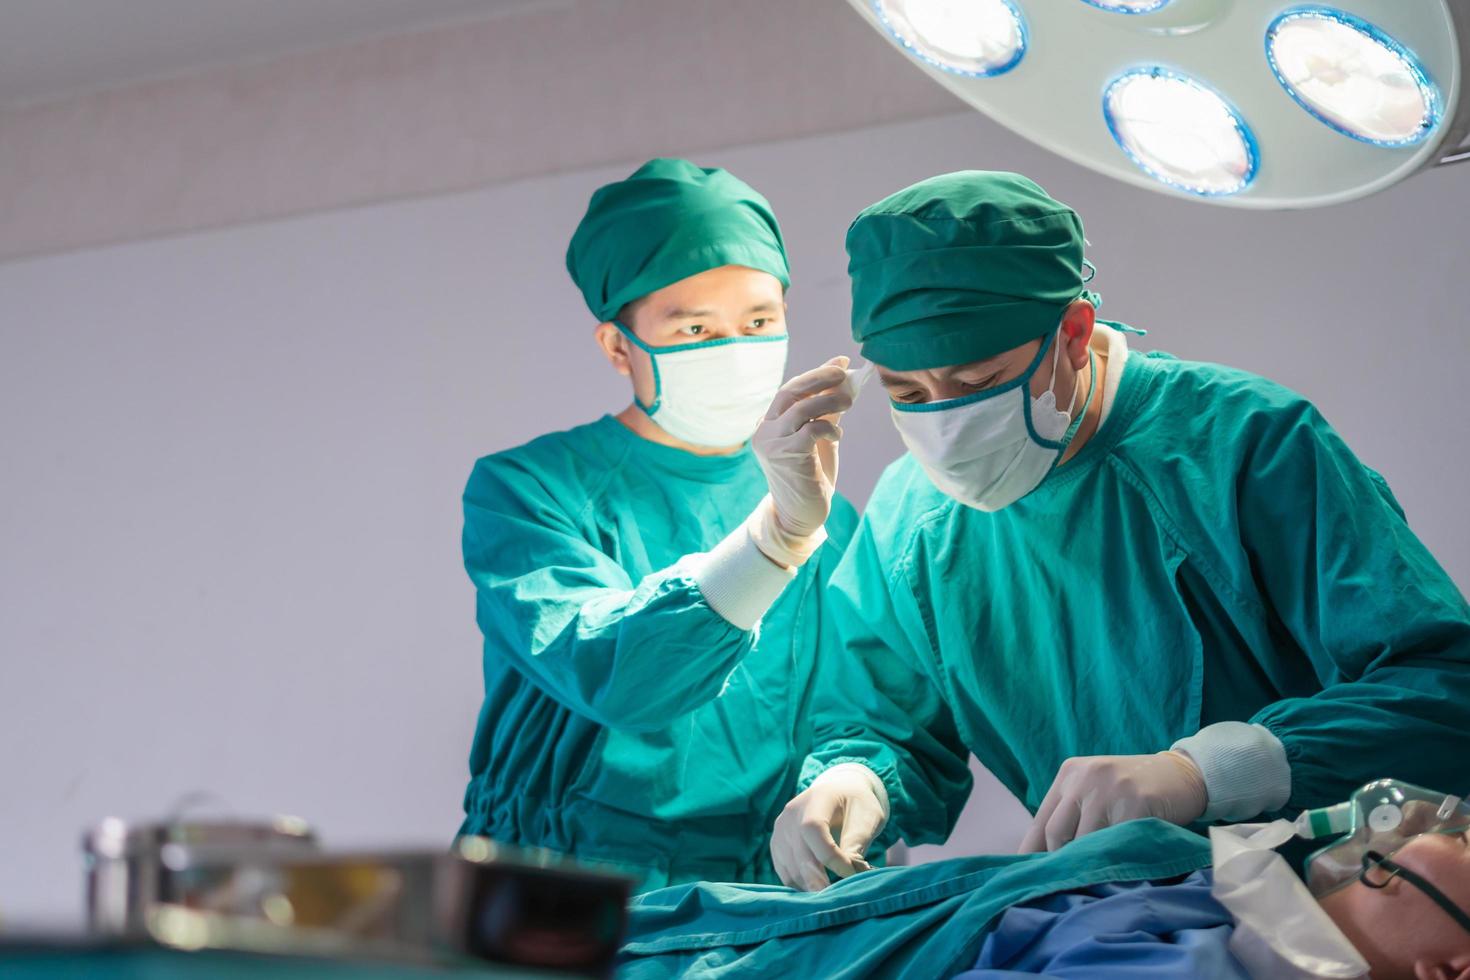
(961,267)
(668,221)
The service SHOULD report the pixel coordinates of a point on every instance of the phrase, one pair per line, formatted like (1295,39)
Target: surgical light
(1129,6)
(1242,103)
(1180,132)
(975,38)
(1352,76)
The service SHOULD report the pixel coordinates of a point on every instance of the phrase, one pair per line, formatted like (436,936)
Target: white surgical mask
(713,393)
(990,449)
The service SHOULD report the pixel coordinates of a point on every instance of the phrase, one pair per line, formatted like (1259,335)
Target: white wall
(231,461)
(552,86)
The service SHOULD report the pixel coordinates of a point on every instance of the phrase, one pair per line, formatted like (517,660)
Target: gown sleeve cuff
(1245,769)
(738,581)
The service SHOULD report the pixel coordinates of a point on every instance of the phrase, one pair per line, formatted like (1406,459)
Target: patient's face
(1398,928)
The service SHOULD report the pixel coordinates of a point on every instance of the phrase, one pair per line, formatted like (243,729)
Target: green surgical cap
(668,221)
(961,267)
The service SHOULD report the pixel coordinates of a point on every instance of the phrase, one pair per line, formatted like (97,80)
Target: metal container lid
(115,839)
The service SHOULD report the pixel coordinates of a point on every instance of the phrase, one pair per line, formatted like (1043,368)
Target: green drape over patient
(928,920)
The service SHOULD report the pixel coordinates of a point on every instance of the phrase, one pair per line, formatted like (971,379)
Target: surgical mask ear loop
(1056,357)
(1056,360)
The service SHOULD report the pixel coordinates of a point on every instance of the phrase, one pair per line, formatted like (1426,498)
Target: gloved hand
(848,800)
(1092,792)
(796,446)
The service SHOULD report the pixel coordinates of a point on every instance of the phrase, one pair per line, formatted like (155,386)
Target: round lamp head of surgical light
(1129,6)
(1180,132)
(1352,76)
(974,38)
(1239,103)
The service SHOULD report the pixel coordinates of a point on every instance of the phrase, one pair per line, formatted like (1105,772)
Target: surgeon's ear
(614,347)
(1078,321)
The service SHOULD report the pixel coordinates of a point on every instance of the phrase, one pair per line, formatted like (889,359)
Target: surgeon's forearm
(740,579)
(606,652)
(1244,766)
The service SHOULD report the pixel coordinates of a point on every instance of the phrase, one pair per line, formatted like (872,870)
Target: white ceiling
(53,48)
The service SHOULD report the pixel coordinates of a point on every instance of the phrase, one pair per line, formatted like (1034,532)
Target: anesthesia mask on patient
(1280,930)
(1374,825)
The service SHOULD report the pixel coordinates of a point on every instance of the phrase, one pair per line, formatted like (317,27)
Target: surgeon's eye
(980,385)
(907,397)
(694,330)
(760,323)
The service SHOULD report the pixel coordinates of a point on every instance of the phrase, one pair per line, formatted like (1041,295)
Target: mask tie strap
(658,381)
(1077,420)
(1091,385)
(1056,358)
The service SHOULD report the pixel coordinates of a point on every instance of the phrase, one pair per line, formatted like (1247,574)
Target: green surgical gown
(625,721)
(1215,552)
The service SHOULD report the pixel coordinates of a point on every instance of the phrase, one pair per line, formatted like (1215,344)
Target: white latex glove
(848,801)
(1093,792)
(796,446)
